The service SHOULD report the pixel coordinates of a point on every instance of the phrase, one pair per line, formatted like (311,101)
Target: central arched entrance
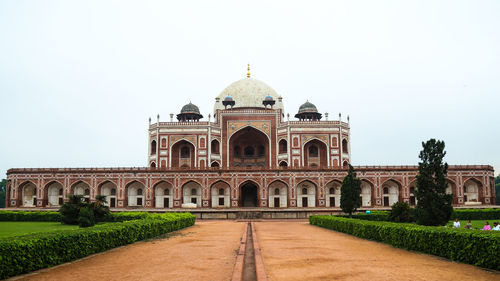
(249,147)
(249,195)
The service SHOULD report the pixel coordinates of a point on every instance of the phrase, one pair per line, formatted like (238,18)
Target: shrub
(400,212)
(86,217)
(29,216)
(475,247)
(27,253)
(71,210)
(373,216)
(476,214)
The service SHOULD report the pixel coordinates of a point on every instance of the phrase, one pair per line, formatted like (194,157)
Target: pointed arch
(220,192)
(367,193)
(27,194)
(163,194)
(306,193)
(191,193)
(81,187)
(315,153)
(332,190)
(278,194)
(473,191)
(182,153)
(134,193)
(391,192)
(109,189)
(249,138)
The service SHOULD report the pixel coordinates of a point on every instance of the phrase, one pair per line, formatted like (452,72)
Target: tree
(3,185)
(434,205)
(350,191)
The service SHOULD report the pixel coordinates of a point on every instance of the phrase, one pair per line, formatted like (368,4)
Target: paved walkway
(206,251)
(299,251)
(291,250)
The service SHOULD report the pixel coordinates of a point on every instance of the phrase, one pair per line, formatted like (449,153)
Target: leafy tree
(400,212)
(434,205)
(3,185)
(350,191)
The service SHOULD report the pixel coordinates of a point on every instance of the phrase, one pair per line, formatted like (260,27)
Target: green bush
(400,212)
(86,217)
(475,247)
(373,216)
(27,253)
(56,216)
(29,216)
(476,214)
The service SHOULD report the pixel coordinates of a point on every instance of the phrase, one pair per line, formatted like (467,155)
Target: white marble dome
(248,92)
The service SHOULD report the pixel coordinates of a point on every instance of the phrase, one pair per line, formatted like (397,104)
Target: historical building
(248,154)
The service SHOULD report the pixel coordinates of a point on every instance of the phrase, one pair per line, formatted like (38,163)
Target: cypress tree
(433,205)
(350,191)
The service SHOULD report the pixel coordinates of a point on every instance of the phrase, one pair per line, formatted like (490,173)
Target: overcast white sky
(79,79)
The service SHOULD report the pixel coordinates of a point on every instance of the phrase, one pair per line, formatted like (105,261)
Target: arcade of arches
(239,189)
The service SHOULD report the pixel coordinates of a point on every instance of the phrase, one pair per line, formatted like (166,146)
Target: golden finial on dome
(248,71)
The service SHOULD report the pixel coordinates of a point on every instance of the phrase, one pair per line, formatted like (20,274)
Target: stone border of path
(238,266)
(259,263)
(257,255)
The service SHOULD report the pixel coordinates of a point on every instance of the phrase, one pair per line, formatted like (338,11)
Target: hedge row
(27,253)
(56,216)
(373,216)
(29,216)
(476,214)
(475,247)
(461,214)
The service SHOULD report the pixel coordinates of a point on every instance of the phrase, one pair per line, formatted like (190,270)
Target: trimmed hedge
(31,252)
(29,216)
(476,214)
(373,216)
(56,216)
(475,247)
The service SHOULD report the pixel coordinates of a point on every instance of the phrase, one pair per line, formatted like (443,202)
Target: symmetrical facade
(249,155)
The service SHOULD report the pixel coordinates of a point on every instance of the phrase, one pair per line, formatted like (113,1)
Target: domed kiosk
(189,112)
(308,111)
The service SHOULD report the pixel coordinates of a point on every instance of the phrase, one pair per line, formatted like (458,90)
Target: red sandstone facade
(249,156)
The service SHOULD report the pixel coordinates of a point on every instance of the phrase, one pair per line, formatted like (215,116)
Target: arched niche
(183,154)
(249,147)
(278,194)
(163,194)
(220,193)
(306,194)
(315,154)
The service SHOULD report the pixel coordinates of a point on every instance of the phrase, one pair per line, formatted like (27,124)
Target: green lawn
(476,224)
(9,229)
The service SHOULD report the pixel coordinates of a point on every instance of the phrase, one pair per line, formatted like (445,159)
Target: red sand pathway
(206,251)
(291,250)
(299,251)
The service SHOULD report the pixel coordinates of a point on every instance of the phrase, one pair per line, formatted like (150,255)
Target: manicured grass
(476,224)
(10,229)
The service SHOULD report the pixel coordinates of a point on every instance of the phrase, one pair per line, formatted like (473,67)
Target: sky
(79,79)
